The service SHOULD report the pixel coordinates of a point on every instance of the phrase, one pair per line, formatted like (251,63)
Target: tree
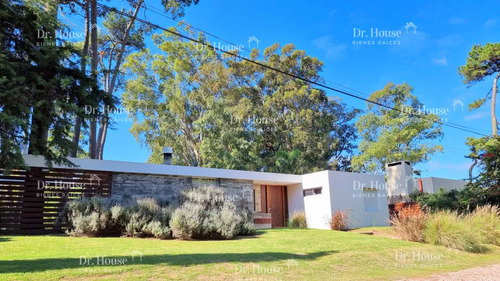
(83,69)
(400,132)
(483,61)
(107,53)
(486,155)
(40,85)
(120,40)
(295,115)
(174,90)
(219,111)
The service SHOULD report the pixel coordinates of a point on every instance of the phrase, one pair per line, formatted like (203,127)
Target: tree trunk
(471,168)
(93,69)
(40,120)
(101,140)
(83,67)
(494,125)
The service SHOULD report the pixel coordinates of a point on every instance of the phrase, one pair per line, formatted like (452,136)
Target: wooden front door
(276,204)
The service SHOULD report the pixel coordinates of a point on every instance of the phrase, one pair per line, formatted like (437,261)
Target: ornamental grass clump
(409,225)
(340,221)
(450,229)
(486,221)
(298,220)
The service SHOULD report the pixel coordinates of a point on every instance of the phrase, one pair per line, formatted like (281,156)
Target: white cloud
(490,22)
(476,116)
(440,61)
(412,44)
(333,50)
(459,167)
(457,20)
(449,41)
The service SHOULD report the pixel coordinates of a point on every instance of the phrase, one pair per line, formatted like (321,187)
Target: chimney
(167,155)
(399,179)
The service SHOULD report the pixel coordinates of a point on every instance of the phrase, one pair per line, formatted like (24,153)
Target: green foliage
(298,220)
(486,151)
(462,201)
(176,8)
(219,111)
(41,87)
(482,190)
(395,134)
(441,200)
(482,61)
(205,214)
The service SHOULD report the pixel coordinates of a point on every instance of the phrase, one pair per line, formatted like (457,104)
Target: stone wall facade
(169,188)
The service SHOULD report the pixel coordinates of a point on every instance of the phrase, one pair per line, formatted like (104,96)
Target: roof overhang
(171,170)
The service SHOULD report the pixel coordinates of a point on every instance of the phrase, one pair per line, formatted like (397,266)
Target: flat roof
(170,170)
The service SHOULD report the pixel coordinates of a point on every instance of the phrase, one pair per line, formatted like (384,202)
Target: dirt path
(487,273)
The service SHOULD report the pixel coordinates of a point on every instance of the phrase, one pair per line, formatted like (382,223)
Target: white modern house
(273,197)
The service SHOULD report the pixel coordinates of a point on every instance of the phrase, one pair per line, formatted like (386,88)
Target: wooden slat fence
(31,200)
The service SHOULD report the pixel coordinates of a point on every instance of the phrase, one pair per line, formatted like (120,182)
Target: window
(312,191)
(371,201)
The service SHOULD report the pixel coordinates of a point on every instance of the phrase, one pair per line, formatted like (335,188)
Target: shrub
(463,201)
(466,232)
(298,220)
(92,217)
(441,200)
(409,227)
(340,221)
(148,219)
(449,229)
(247,226)
(102,217)
(486,220)
(206,215)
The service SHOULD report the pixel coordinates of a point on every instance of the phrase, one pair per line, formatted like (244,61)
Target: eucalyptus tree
(217,110)
(107,51)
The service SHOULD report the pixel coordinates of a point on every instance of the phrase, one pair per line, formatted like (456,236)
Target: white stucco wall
(365,207)
(343,191)
(432,184)
(295,199)
(317,207)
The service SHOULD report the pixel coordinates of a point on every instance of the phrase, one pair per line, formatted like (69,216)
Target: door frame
(265,199)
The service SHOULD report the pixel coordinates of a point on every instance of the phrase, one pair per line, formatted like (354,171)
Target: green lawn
(278,254)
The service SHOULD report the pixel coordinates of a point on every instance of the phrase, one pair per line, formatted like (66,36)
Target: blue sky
(427,59)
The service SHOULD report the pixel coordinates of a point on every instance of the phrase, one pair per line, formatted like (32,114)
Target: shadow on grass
(4,239)
(24,266)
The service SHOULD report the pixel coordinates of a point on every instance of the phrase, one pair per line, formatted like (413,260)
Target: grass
(277,254)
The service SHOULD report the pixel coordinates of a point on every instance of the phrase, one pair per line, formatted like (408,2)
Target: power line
(158,12)
(451,125)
